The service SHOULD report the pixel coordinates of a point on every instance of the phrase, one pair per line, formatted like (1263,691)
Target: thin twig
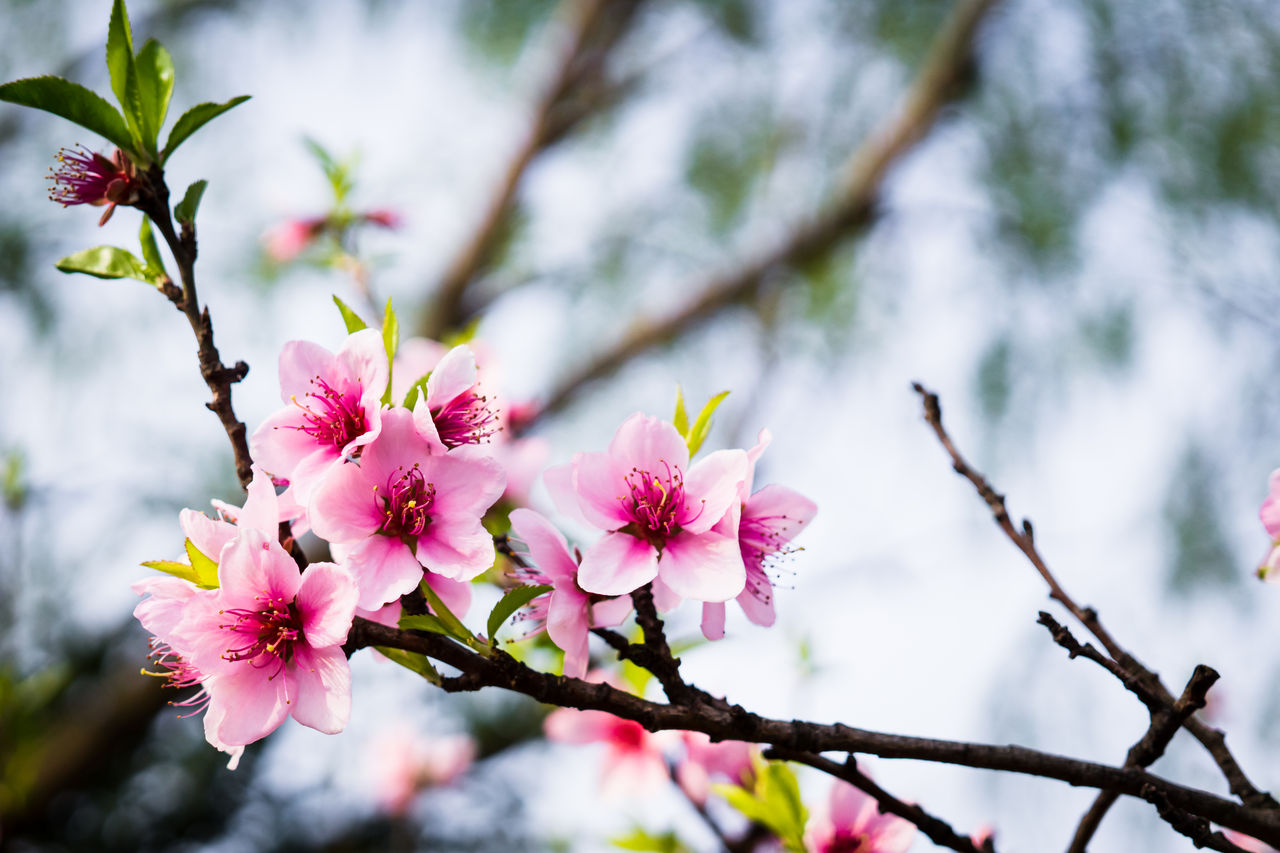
(721,720)
(940,81)
(935,829)
(1213,739)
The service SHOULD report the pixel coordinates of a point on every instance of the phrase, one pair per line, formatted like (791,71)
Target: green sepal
(150,251)
(509,604)
(350,318)
(412,661)
(680,420)
(772,800)
(110,262)
(73,102)
(154,68)
(194,119)
(124,76)
(702,426)
(205,567)
(390,342)
(185,211)
(178,570)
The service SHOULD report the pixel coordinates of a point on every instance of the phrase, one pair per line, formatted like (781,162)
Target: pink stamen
(654,501)
(268,633)
(466,419)
(334,419)
(407,503)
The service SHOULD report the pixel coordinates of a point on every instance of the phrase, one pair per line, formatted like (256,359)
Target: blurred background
(1074,238)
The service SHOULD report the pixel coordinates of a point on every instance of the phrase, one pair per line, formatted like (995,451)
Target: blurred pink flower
(284,242)
(383,217)
(852,821)
(406,764)
(728,761)
(633,762)
(657,511)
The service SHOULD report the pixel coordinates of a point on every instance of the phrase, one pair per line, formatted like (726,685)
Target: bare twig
(721,720)
(1213,739)
(576,90)
(935,829)
(939,82)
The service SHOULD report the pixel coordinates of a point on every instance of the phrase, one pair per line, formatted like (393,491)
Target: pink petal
(711,487)
(646,442)
(300,362)
(426,426)
(398,446)
(311,469)
(618,564)
(464,483)
(1270,512)
(706,568)
(384,569)
(456,546)
(415,358)
(548,549)
(569,725)
(363,357)
(455,373)
(209,536)
(245,705)
(261,508)
(713,620)
(326,602)
(344,507)
(756,597)
(665,598)
(610,612)
(786,509)
(456,595)
(252,565)
(568,626)
(321,682)
(600,482)
(559,481)
(278,445)
(763,439)
(163,609)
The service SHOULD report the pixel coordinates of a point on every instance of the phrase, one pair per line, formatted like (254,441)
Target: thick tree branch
(936,830)
(1213,739)
(723,721)
(939,82)
(576,90)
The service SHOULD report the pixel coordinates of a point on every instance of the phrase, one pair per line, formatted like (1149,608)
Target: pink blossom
(567,610)
(383,217)
(852,821)
(270,641)
(406,764)
(658,512)
(454,412)
(85,177)
(334,409)
(159,614)
(403,509)
(770,519)
(634,763)
(729,761)
(286,241)
(1270,515)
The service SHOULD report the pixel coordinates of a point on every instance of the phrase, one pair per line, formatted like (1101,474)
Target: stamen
(334,419)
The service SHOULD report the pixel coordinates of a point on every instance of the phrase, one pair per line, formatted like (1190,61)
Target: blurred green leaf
(736,18)
(72,102)
(641,840)
(498,30)
(391,342)
(772,800)
(1199,549)
(702,425)
(680,420)
(186,209)
(994,379)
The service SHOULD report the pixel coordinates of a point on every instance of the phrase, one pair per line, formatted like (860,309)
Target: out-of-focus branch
(935,829)
(578,89)
(723,721)
(939,82)
(1213,739)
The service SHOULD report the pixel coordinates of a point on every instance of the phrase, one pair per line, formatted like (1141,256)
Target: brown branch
(155,204)
(939,82)
(722,721)
(659,660)
(1213,739)
(935,829)
(576,90)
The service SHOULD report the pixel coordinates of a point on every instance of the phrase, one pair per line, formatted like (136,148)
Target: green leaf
(702,426)
(73,102)
(424,622)
(638,839)
(110,262)
(186,209)
(338,174)
(178,570)
(155,85)
(194,119)
(150,251)
(390,341)
(412,661)
(773,800)
(416,390)
(350,318)
(681,418)
(510,603)
(124,74)
(205,568)
(445,615)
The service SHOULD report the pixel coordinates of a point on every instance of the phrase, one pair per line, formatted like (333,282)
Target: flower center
(406,503)
(331,418)
(654,501)
(270,630)
(466,419)
(85,177)
(846,843)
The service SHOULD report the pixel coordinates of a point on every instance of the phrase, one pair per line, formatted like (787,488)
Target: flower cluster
(396,461)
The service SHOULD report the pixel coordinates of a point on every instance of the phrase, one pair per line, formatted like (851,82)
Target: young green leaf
(702,426)
(681,418)
(416,390)
(194,119)
(412,661)
(110,262)
(452,624)
(150,251)
(349,317)
(391,341)
(640,840)
(155,86)
(124,75)
(510,603)
(424,622)
(774,801)
(185,211)
(205,568)
(72,102)
(178,570)
(339,174)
